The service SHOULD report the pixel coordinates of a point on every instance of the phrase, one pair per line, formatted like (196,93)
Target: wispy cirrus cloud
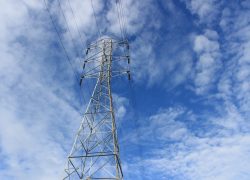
(33,108)
(236,76)
(208,63)
(219,151)
(40,106)
(214,145)
(199,47)
(207,10)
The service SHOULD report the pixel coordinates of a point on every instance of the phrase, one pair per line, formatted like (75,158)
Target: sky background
(185,115)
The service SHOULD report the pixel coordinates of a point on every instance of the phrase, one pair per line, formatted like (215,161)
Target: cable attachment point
(81,79)
(87,51)
(84,64)
(129,76)
(128,59)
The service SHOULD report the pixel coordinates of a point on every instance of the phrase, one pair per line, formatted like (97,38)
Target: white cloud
(213,158)
(146,65)
(162,126)
(216,146)
(235,25)
(202,43)
(84,21)
(220,151)
(153,62)
(28,149)
(35,117)
(160,68)
(134,13)
(38,103)
(120,105)
(208,53)
(207,10)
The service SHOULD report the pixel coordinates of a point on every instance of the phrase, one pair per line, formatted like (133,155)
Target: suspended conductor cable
(64,49)
(60,39)
(119,18)
(76,49)
(77,27)
(98,29)
(67,25)
(124,19)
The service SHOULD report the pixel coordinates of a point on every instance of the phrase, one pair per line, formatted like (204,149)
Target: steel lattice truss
(95,153)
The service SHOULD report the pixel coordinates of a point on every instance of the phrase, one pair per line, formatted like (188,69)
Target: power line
(76,49)
(64,49)
(119,19)
(124,19)
(68,29)
(60,39)
(77,27)
(99,32)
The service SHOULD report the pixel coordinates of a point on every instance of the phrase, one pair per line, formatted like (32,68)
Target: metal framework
(95,152)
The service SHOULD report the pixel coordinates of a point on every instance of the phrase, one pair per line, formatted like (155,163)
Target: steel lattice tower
(95,152)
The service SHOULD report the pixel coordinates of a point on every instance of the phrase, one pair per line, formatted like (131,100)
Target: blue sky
(186,116)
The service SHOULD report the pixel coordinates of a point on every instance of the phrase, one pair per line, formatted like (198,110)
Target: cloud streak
(194,56)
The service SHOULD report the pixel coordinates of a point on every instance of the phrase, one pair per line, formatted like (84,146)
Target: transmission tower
(95,152)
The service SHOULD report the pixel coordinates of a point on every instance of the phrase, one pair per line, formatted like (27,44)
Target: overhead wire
(64,49)
(68,29)
(122,17)
(76,49)
(60,39)
(122,22)
(80,80)
(119,19)
(79,33)
(97,26)
(76,24)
